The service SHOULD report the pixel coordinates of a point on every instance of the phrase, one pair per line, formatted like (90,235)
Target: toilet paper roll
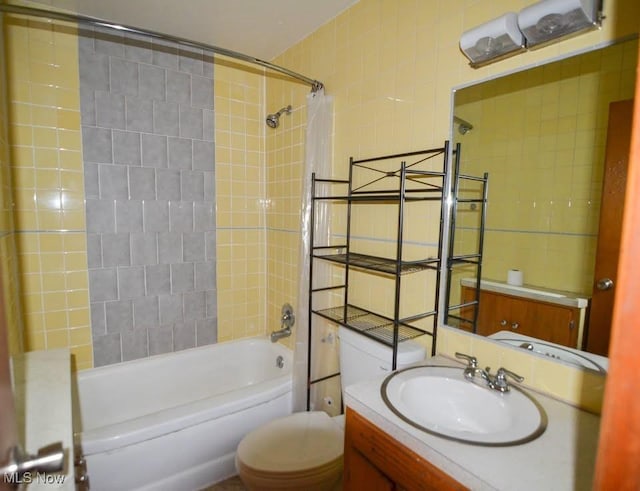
(515,277)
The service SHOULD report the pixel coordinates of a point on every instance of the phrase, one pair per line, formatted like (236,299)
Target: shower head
(273,120)
(464,126)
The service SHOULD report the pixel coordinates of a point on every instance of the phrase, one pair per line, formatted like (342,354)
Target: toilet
(303,451)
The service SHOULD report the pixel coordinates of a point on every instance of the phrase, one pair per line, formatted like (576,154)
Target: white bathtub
(173,422)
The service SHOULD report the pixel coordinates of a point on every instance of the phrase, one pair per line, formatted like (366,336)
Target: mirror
(541,135)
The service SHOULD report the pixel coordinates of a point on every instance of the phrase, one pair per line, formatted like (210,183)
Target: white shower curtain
(318,154)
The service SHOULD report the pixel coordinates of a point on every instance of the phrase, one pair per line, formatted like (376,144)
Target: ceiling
(259,28)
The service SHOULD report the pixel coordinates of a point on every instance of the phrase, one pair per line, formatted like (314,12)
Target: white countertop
(558,297)
(42,392)
(563,458)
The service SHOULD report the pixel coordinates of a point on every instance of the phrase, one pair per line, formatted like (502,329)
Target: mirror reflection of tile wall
(541,135)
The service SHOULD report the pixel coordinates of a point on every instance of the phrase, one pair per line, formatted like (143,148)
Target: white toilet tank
(362,358)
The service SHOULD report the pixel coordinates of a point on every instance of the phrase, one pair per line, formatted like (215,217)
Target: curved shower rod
(67,17)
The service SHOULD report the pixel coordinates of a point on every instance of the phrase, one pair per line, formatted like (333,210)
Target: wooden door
(521,316)
(618,461)
(608,249)
(545,321)
(555,323)
(491,311)
(375,460)
(359,473)
(495,313)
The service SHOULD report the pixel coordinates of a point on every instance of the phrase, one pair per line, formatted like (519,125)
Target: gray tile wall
(147,133)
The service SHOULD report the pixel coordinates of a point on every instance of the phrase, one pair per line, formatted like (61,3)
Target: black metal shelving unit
(399,180)
(459,313)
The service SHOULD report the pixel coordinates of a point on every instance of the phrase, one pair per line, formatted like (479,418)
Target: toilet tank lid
(408,351)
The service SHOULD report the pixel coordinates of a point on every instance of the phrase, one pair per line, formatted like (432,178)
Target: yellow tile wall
(9,283)
(391,66)
(48,185)
(284,173)
(240,199)
(543,142)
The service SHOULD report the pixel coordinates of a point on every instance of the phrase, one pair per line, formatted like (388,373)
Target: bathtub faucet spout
(282,333)
(287,321)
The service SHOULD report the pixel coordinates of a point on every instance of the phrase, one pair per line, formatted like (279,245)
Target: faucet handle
(472,361)
(499,381)
(503,373)
(288,318)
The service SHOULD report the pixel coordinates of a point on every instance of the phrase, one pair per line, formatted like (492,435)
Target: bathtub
(174,421)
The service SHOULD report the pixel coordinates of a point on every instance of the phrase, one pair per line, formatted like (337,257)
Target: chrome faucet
(497,382)
(287,321)
(472,369)
(282,333)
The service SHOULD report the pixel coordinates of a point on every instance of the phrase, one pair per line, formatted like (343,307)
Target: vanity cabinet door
(493,313)
(364,475)
(554,323)
(496,312)
(549,322)
(373,460)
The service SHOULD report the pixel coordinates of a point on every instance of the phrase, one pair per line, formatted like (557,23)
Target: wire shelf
(381,264)
(373,325)
(398,179)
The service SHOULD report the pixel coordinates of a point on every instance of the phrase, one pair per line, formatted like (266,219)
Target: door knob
(604,284)
(49,459)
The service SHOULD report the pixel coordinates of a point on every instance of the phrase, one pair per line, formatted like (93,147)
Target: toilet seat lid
(294,443)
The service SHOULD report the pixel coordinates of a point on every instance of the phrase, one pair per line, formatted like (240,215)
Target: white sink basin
(440,401)
(554,351)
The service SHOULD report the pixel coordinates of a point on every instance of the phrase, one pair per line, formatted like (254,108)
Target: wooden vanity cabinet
(375,461)
(543,320)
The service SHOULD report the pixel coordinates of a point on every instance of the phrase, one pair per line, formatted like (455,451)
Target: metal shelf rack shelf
(465,314)
(397,180)
(375,326)
(380,264)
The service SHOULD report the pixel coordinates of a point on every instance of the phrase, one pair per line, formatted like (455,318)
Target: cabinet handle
(503,322)
(515,325)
